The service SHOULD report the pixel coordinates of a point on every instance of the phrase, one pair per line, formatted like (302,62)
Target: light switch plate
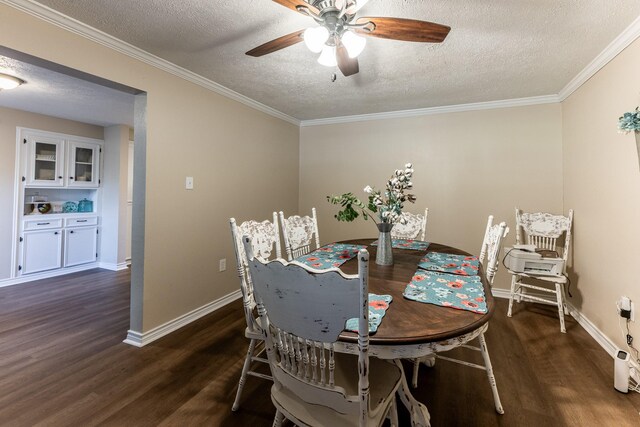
(223,264)
(189,183)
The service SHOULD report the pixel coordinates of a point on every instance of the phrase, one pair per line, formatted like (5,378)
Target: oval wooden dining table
(412,329)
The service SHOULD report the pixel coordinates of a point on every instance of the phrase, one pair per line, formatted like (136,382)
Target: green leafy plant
(387,207)
(630,122)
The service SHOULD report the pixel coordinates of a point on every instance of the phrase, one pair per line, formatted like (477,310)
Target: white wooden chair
(491,244)
(300,232)
(304,311)
(415,227)
(542,230)
(264,236)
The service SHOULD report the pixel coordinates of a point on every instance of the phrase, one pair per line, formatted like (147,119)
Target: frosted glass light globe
(328,57)
(315,38)
(354,44)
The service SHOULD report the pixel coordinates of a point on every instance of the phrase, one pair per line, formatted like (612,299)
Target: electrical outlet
(189,183)
(633,373)
(223,264)
(633,312)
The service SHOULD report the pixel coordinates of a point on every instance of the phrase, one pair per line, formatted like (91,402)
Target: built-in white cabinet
(58,224)
(80,245)
(61,161)
(54,242)
(42,250)
(83,165)
(45,161)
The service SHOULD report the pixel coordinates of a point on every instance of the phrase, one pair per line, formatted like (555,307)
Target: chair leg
(564,300)
(277,421)
(393,413)
(243,375)
(490,376)
(416,367)
(511,295)
(560,307)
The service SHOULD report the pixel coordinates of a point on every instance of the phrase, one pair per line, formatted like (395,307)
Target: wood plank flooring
(63,363)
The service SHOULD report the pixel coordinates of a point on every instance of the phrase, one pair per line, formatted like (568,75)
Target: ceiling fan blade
(291,4)
(348,66)
(410,30)
(277,44)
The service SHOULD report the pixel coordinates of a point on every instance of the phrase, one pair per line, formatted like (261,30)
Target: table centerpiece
(387,207)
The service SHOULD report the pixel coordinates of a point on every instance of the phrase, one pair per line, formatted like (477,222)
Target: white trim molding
(46,274)
(73,25)
(114,267)
(140,339)
(605,342)
(506,103)
(628,36)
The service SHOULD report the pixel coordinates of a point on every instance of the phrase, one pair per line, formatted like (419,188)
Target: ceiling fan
(337,35)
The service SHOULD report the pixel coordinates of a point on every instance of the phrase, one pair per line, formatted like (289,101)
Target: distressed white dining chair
(491,244)
(264,236)
(542,230)
(300,233)
(303,311)
(414,228)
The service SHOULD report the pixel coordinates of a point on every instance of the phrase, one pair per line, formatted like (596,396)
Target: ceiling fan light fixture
(315,38)
(354,44)
(9,82)
(328,57)
(355,6)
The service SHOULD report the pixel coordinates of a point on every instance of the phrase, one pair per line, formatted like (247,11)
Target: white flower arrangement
(387,206)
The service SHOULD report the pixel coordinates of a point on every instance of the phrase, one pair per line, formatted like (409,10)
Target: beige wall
(244,162)
(9,120)
(467,166)
(602,185)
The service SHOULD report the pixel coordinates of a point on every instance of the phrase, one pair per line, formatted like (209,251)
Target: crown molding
(628,36)
(507,103)
(73,25)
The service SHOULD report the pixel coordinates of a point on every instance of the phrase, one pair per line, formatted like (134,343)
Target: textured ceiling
(60,95)
(497,49)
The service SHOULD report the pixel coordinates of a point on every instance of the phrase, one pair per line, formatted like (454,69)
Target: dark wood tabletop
(412,322)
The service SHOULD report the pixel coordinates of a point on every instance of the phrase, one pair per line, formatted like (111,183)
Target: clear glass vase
(384,254)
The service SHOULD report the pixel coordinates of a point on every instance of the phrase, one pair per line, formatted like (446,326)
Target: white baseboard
(605,342)
(114,267)
(46,274)
(140,339)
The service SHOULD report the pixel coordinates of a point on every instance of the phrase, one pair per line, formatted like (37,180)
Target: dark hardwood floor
(63,363)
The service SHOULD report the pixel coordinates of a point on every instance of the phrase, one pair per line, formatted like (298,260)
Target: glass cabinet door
(46,160)
(83,164)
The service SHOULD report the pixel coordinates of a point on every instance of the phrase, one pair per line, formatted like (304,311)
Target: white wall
(113,204)
(467,165)
(601,179)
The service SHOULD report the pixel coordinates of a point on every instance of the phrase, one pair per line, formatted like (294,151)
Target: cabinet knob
(71,232)
(70,177)
(55,232)
(60,177)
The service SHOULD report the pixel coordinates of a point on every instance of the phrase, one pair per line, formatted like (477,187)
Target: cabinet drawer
(42,224)
(82,221)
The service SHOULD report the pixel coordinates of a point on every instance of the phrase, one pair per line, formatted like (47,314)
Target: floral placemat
(447,290)
(416,245)
(331,255)
(448,263)
(378,305)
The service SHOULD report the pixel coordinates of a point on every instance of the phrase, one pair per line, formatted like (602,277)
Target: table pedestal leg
(419,413)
